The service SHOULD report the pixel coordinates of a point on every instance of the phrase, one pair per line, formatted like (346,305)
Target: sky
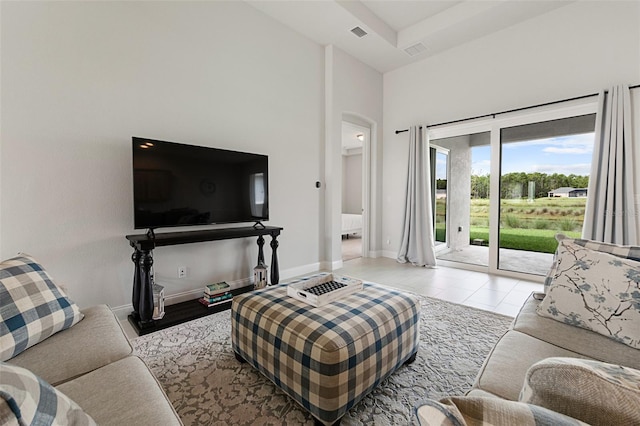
(565,154)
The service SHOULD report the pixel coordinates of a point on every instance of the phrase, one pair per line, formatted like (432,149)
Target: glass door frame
(438,149)
(494,125)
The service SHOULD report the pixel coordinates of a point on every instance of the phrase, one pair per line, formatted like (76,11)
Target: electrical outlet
(182,271)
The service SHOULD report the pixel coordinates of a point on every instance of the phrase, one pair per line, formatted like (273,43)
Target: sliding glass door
(440,177)
(461,208)
(544,176)
(513,183)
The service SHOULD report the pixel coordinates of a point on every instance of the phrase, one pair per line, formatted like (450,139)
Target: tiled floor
(489,292)
(493,293)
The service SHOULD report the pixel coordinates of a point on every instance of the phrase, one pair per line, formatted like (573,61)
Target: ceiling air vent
(359,32)
(416,49)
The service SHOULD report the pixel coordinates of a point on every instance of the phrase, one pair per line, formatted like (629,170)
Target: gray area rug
(195,365)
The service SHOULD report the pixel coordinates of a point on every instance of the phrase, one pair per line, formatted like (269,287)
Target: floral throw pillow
(626,252)
(596,291)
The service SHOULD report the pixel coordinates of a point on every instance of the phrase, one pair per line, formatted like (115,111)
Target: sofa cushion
(595,291)
(504,370)
(28,400)
(32,306)
(578,340)
(459,411)
(96,341)
(594,392)
(122,393)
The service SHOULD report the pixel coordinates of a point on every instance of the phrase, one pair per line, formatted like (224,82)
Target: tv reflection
(256,194)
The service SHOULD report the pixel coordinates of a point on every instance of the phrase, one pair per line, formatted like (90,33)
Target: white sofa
(571,355)
(532,338)
(92,363)
(61,365)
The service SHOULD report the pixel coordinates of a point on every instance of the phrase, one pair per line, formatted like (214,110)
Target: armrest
(591,391)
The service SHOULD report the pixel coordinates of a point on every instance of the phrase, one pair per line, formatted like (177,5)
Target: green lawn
(539,240)
(524,225)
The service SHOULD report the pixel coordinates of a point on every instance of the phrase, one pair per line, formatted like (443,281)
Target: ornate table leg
(260,251)
(137,283)
(142,286)
(275,273)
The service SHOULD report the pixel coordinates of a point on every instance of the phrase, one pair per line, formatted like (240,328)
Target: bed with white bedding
(351,223)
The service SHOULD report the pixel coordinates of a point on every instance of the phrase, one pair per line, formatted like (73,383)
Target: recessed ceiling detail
(400,32)
(359,32)
(416,49)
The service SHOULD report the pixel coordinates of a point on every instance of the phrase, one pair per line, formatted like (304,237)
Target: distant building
(567,191)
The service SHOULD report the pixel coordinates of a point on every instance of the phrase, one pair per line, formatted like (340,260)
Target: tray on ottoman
(326,358)
(322,289)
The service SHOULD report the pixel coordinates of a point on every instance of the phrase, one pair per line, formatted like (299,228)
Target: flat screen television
(179,185)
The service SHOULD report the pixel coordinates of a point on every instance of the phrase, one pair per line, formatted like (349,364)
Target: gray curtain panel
(417,245)
(610,214)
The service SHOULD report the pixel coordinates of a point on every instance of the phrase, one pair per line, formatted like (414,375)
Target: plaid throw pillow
(32,307)
(476,411)
(28,400)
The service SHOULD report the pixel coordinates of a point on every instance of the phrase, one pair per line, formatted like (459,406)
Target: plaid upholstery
(326,358)
(32,307)
(625,252)
(26,399)
(461,411)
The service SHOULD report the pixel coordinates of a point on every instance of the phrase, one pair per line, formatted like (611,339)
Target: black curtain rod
(493,115)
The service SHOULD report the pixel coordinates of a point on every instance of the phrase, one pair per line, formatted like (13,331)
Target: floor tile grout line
(383,268)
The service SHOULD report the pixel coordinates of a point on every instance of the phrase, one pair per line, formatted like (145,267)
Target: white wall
(80,78)
(572,51)
(352,184)
(352,89)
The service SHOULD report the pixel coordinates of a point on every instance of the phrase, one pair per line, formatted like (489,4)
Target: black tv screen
(179,185)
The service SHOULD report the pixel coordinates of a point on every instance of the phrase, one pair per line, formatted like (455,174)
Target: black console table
(142,299)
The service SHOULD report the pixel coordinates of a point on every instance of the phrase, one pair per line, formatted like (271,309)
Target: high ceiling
(399,32)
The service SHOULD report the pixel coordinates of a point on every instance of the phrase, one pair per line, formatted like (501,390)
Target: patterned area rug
(195,364)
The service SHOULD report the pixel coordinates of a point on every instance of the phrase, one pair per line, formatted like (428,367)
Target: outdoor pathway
(510,260)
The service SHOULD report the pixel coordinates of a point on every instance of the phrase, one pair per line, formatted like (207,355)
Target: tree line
(516,185)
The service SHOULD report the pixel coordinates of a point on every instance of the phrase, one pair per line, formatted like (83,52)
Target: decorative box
(260,276)
(322,289)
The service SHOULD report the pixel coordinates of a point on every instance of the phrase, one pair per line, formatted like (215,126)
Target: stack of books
(215,294)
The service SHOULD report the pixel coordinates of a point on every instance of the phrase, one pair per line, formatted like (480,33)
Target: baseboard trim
(299,270)
(374,254)
(123,311)
(325,266)
(389,254)
(331,266)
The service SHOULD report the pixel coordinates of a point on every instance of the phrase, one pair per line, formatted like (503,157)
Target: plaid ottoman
(326,358)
